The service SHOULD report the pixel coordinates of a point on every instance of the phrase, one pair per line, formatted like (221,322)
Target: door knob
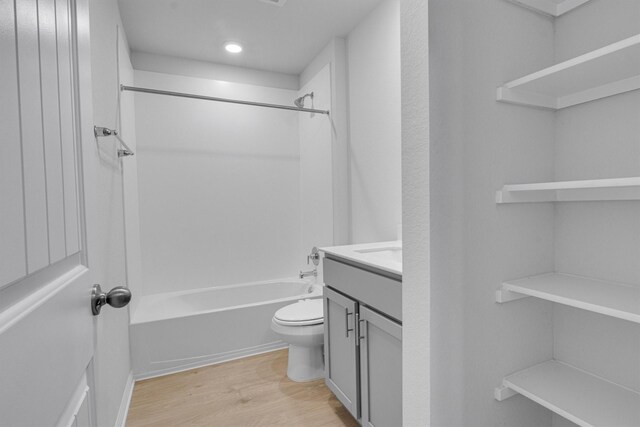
(117,297)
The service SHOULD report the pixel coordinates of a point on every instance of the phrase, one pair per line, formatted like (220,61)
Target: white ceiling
(280,39)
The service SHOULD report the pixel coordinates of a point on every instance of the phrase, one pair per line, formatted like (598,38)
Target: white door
(47,157)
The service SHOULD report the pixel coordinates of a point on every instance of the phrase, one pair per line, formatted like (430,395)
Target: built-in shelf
(550,7)
(608,71)
(581,397)
(609,298)
(571,191)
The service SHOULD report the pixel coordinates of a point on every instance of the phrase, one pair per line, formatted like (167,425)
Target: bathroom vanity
(363,330)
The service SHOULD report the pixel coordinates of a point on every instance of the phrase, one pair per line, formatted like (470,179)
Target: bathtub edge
(212,359)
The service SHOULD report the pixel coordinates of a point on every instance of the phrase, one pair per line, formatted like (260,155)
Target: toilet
(301,325)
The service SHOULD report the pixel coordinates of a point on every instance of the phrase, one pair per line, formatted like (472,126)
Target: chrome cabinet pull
(346,322)
(361,328)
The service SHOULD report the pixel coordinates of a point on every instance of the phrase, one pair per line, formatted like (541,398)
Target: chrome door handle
(117,297)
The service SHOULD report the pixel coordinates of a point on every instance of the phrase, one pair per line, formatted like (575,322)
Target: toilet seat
(302,313)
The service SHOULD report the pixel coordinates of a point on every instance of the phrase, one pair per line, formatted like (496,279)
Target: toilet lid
(305,312)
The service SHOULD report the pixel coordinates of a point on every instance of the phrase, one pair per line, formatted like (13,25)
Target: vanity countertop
(386,256)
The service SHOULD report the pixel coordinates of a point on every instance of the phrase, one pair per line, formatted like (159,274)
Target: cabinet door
(341,358)
(380,370)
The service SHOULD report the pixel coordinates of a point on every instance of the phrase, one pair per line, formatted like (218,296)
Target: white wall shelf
(550,7)
(571,191)
(581,397)
(608,71)
(608,298)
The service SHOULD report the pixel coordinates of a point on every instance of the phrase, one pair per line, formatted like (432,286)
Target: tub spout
(313,273)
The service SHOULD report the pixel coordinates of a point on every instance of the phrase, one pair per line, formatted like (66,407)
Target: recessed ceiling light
(233,47)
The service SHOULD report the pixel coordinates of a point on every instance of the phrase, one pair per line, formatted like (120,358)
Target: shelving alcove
(578,396)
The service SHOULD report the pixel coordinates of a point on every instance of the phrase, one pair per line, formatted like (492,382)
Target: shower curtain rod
(213,98)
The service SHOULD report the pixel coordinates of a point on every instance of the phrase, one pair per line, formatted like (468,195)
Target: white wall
(598,140)
(112,358)
(218,184)
(316,176)
(127,129)
(334,55)
(475,146)
(416,327)
(186,67)
(374,114)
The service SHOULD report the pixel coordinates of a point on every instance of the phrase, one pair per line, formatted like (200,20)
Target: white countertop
(386,256)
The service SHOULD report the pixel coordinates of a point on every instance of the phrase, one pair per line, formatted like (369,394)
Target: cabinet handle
(361,328)
(346,322)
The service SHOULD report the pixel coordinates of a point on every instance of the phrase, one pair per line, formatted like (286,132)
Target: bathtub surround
(218,185)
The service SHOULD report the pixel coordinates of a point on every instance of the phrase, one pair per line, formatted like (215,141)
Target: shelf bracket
(503,393)
(503,295)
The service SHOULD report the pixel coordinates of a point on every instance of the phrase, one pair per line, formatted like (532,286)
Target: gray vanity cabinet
(363,342)
(380,370)
(341,358)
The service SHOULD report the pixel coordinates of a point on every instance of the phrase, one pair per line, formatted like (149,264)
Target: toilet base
(306,363)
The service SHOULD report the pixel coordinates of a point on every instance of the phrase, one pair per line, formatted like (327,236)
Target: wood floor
(254,391)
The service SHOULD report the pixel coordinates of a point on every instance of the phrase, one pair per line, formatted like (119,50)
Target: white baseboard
(125,402)
(213,359)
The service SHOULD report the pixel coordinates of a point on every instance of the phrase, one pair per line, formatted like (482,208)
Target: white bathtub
(175,331)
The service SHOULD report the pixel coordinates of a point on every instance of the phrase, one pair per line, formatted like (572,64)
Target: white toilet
(301,325)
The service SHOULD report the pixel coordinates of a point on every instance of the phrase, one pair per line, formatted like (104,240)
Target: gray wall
(600,139)
(374,125)
(477,146)
(416,290)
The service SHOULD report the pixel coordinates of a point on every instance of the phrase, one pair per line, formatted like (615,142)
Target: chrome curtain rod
(213,98)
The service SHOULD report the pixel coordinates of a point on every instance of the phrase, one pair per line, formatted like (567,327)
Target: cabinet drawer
(376,291)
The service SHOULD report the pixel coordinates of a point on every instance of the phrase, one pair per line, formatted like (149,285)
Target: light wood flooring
(254,391)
